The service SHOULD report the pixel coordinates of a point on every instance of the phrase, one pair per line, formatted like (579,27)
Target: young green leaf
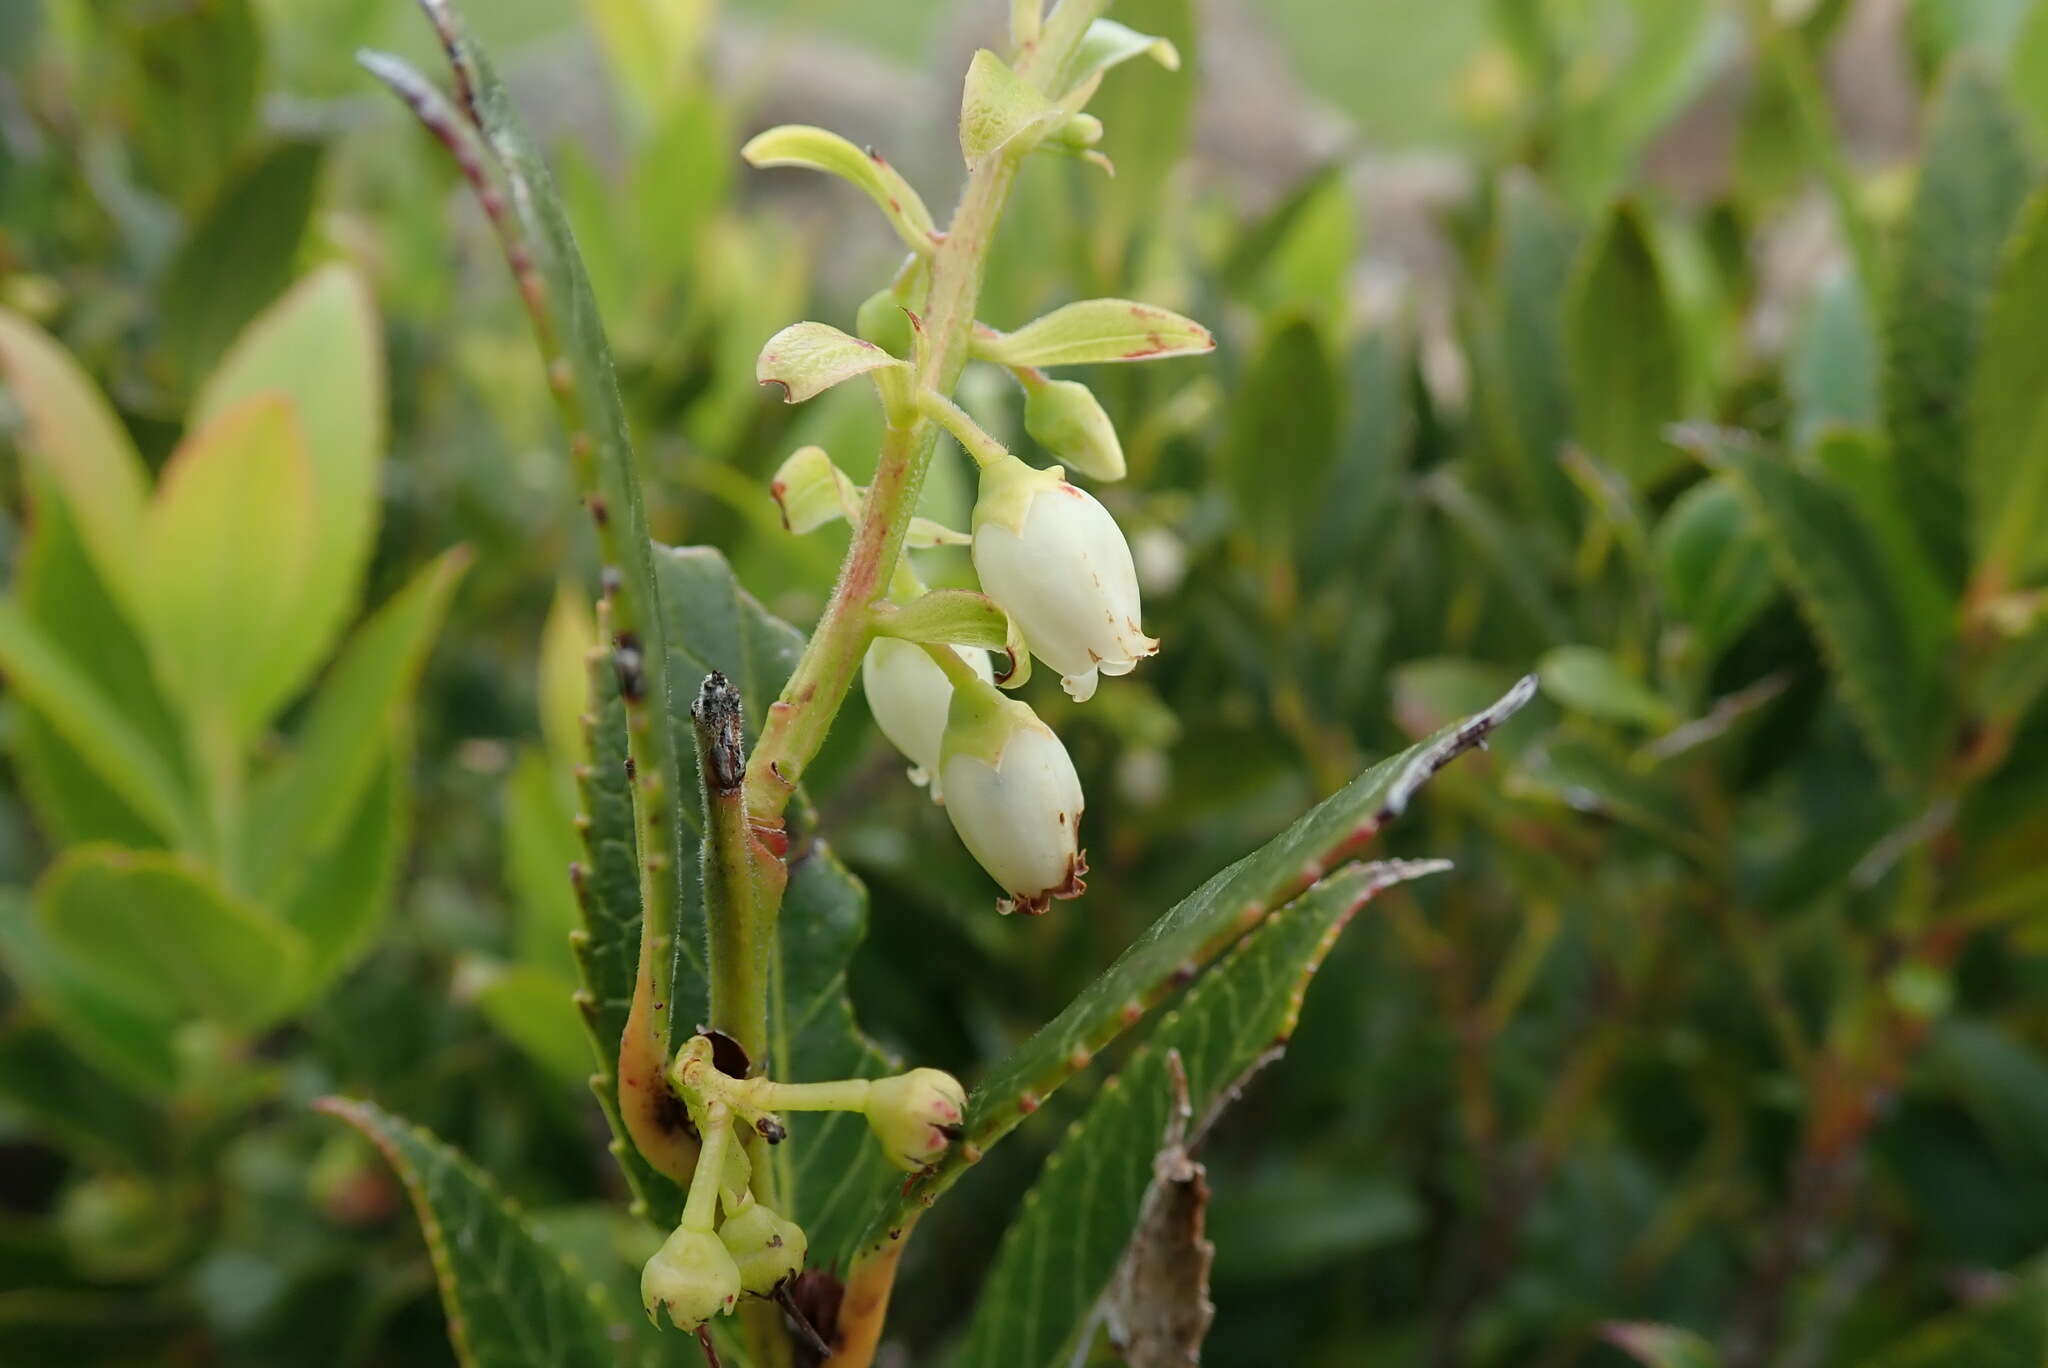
(819,150)
(320,346)
(807,359)
(156,929)
(1976,172)
(999,110)
(1109,44)
(510,1299)
(1079,1216)
(132,1042)
(811,490)
(1096,330)
(339,893)
(1713,566)
(1589,680)
(228,543)
(1626,359)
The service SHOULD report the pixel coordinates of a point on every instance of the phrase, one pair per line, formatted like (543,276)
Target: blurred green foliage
(1734,1015)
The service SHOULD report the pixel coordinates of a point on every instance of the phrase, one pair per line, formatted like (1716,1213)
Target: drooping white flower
(1014,798)
(1058,564)
(910,695)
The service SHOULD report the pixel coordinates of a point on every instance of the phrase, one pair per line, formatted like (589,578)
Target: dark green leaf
(67,1099)
(1283,437)
(1626,360)
(132,1043)
(2007,469)
(195,69)
(1532,410)
(1713,566)
(1065,1244)
(1832,373)
(338,896)
(1883,654)
(237,256)
(2007,1332)
(512,1302)
(1975,175)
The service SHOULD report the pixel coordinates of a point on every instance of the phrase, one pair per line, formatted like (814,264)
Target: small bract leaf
(822,150)
(1096,330)
(812,491)
(1000,110)
(958,617)
(807,359)
(1108,43)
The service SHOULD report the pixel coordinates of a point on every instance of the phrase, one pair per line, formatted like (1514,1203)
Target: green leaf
(1975,174)
(339,892)
(1626,360)
(1833,371)
(203,60)
(1070,1234)
(998,109)
(319,346)
(238,254)
(1096,330)
(1283,437)
(1662,1346)
(1532,267)
(535,1009)
(1883,655)
(131,1042)
(305,804)
(2007,466)
(540,846)
(1109,44)
(79,711)
(1589,680)
(228,544)
(807,359)
(819,150)
(154,928)
(1713,566)
(511,1301)
(75,436)
(65,1098)
(1193,932)
(959,616)
(1288,1223)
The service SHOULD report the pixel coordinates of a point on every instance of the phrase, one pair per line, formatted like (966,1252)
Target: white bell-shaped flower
(909,696)
(1014,798)
(1058,564)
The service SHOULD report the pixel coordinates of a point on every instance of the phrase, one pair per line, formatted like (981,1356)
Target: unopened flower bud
(1065,418)
(768,1250)
(881,320)
(910,695)
(916,1115)
(691,1277)
(1058,564)
(1014,798)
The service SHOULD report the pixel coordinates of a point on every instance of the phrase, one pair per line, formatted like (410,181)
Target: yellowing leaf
(320,347)
(227,546)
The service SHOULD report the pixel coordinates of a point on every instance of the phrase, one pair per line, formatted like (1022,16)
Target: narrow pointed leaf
(1109,44)
(1096,330)
(1060,1253)
(820,150)
(806,359)
(1624,351)
(511,1301)
(2008,454)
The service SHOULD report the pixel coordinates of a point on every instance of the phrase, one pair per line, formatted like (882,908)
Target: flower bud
(692,1277)
(768,1250)
(910,695)
(1014,798)
(916,1115)
(1065,418)
(881,320)
(1058,564)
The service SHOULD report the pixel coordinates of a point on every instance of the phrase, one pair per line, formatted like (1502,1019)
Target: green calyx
(1007,488)
(981,721)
